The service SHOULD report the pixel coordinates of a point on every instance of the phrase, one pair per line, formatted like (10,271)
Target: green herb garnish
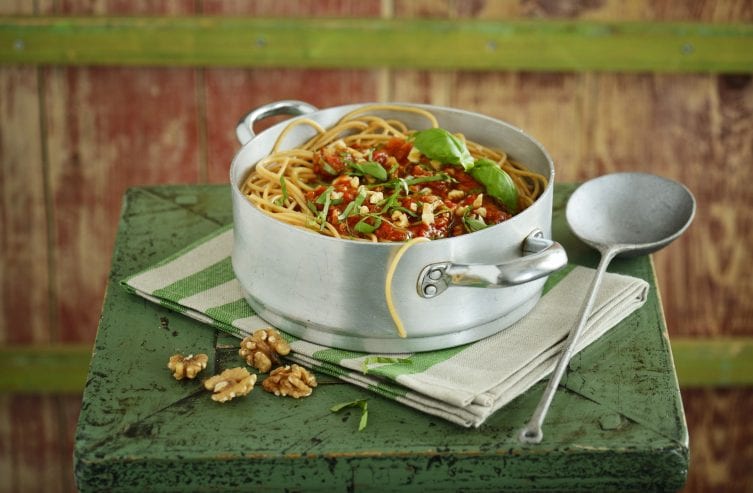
(364,227)
(357,403)
(325,199)
(284,186)
(497,182)
(441,145)
(472,224)
(329,169)
(353,206)
(391,201)
(370,168)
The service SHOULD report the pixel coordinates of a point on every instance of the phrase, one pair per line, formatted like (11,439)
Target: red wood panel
(547,106)
(230,93)
(24,266)
(301,8)
(24,261)
(107,129)
(721,439)
(605,10)
(36,444)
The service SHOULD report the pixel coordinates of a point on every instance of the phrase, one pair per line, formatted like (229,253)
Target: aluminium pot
(447,292)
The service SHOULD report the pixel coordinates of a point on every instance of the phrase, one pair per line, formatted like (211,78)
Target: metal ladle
(626,214)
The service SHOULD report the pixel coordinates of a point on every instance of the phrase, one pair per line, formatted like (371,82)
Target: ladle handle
(532,432)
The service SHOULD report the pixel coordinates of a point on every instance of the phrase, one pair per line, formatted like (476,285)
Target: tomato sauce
(396,194)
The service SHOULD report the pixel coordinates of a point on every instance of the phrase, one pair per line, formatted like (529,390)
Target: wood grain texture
(36,443)
(551,45)
(721,440)
(24,257)
(232,93)
(107,128)
(228,94)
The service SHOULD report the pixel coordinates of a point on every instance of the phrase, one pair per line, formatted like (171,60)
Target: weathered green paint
(140,430)
(368,43)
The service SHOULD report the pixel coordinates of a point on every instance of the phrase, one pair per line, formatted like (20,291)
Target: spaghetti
(372,178)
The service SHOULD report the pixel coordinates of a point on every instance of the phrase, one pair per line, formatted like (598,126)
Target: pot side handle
(244,131)
(541,257)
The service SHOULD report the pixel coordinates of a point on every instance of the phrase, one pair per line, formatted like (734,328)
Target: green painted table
(616,423)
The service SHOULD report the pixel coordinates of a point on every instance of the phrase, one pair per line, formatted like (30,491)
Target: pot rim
(521,216)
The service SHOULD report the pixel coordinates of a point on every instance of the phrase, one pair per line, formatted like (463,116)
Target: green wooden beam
(713,362)
(44,369)
(716,362)
(534,45)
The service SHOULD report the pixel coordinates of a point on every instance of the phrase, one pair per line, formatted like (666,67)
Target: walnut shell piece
(187,366)
(231,383)
(263,349)
(294,381)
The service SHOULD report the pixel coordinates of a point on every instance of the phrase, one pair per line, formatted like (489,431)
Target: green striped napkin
(464,384)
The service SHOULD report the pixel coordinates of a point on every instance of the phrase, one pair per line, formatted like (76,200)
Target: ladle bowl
(626,214)
(637,213)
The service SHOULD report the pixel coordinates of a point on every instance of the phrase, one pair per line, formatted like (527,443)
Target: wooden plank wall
(72,139)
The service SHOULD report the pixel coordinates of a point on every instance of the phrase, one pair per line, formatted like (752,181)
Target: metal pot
(447,292)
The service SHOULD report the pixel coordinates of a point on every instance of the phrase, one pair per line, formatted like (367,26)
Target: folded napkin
(464,384)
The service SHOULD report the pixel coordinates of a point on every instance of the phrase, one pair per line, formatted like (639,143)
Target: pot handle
(245,128)
(543,258)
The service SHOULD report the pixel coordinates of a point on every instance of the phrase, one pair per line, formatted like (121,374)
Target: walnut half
(263,348)
(187,366)
(294,381)
(231,383)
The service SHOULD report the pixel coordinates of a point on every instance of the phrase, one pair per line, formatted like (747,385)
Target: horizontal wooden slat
(714,362)
(41,369)
(366,43)
(723,362)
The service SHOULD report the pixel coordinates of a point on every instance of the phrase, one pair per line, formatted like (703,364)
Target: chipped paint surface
(141,428)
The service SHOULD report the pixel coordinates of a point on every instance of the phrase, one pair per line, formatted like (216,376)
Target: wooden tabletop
(616,423)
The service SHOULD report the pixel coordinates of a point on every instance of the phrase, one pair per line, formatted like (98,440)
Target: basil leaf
(352,206)
(348,211)
(362,403)
(472,224)
(326,199)
(329,169)
(365,228)
(371,168)
(284,186)
(360,197)
(497,182)
(441,145)
(427,179)
(324,195)
(391,201)
(364,416)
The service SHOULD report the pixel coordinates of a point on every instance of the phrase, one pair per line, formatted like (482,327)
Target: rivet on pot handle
(543,257)
(245,128)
